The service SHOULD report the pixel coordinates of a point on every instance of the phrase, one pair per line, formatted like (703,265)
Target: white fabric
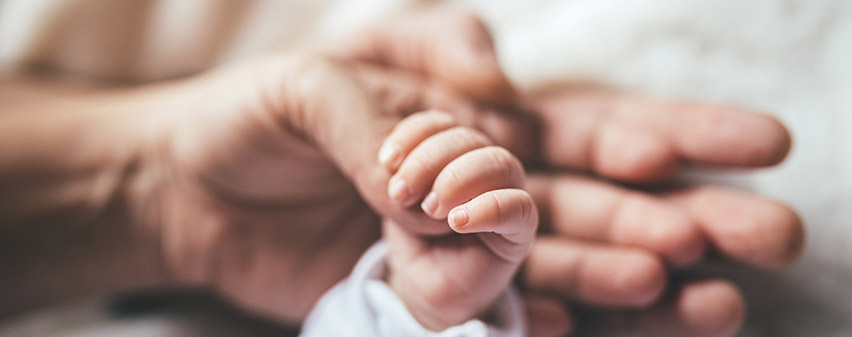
(363,305)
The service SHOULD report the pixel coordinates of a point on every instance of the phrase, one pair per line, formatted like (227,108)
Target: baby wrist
(366,305)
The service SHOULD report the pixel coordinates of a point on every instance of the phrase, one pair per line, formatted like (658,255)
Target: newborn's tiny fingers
(509,213)
(471,174)
(423,164)
(409,132)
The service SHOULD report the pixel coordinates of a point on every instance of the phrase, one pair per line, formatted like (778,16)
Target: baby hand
(457,175)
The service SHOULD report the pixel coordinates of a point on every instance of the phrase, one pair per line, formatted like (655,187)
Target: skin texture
(259,178)
(446,280)
(572,136)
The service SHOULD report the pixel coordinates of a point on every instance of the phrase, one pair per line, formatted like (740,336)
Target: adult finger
(745,227)
(548,316)
(639,140)
(297,87)
(594,273)
(586,208)
(404,92)
(705,308)
(450,45)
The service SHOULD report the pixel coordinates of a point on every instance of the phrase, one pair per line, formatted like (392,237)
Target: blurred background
(791,58)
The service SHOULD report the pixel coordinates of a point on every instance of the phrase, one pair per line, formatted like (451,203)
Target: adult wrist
(75,181)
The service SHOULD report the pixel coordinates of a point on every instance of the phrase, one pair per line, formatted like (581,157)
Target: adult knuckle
(789,233)
(643,279)
(469,22)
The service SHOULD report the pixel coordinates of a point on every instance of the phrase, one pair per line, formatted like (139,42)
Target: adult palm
(254,208)
(250,161)
(603,243)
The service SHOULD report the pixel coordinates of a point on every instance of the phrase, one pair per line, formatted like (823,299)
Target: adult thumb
(452,46)
(318,99)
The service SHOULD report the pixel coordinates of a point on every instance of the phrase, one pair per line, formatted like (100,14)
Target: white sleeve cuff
(363,305)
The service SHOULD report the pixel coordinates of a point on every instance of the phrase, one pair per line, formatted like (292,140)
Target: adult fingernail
(430,204)
(459,218)
(398,190)
(390,155)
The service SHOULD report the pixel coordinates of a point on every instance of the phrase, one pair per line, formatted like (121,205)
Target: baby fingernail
(430,204)
(398,190)
(459,218)
(390,155)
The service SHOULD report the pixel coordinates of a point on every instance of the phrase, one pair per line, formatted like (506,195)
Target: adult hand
(253,179)
(270,168)
(602,243)
(244,178)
